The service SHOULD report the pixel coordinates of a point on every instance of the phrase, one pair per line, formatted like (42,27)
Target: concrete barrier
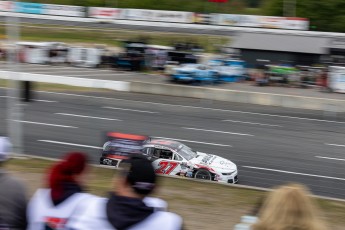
(73,81)
(289,101)
(330,106)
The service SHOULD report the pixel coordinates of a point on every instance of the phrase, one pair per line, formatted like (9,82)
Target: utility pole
(14,110)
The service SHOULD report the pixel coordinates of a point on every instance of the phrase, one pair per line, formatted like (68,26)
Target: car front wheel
(202,174)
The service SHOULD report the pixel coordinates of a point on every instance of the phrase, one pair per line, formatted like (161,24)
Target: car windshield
(186,152)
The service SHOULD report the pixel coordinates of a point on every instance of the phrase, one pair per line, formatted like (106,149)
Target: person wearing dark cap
(52,207)
(13,199)
(126,207)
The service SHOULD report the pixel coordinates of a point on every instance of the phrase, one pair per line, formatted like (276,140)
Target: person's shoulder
(89,202)
(89,215)
(156,203)
(11,181)
(169,220)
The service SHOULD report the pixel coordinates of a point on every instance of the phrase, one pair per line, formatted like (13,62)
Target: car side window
(177,157)
(163,153)
(148,151)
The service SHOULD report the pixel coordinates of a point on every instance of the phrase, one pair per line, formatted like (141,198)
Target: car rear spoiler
(122,145)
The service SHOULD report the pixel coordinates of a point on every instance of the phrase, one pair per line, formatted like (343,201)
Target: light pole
(14,110)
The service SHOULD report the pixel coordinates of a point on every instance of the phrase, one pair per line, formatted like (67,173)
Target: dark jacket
(124,212)
(13,202)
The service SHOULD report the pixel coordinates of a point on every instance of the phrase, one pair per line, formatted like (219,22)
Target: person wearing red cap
(126,207)
(51,208)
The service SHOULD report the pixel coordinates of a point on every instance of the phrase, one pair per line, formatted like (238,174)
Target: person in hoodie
(13,199)
(126,207)
(50,208)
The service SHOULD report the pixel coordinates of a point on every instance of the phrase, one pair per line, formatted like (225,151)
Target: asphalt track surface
(270,145)
(99,25)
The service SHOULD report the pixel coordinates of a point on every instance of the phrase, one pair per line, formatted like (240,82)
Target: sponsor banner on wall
(6,6)
(64,10)
(28,8)
(296,24)
(202,18)
(104,13)
(270,22)
(249,21)
(236,20)
(158,15)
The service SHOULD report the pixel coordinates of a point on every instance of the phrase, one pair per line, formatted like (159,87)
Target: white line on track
(296,173)
(47,124)
(253,123)
(195,107)
(133,110)
(199,142)
(78,115)
(94,74)
(216,131)
(70,144)
(45,68)
(48,101)
(330,158)
(335,145)
(80,71)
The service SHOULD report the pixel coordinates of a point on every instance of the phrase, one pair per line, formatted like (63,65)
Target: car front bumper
(231,179)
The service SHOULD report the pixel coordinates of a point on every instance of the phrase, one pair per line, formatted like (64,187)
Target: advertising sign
(296,24)
(235,20)
(159,15)
(226,19)
(202,18)
(6,6)
(64,10)
(28,8)
(249,21)
(270,22)
(104,13)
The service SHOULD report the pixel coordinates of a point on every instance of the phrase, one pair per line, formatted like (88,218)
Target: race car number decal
(166,167)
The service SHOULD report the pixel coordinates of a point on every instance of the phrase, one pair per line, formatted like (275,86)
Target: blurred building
(256,47)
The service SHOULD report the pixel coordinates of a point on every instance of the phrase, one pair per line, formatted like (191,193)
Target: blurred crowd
(290,76)
(65,203)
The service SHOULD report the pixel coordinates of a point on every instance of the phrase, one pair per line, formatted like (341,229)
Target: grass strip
(113,37)
(202,205)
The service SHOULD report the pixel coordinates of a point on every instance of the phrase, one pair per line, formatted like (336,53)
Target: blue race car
(194,73)
(229,70)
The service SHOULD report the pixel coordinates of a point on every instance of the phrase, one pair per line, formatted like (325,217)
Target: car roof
(164,142)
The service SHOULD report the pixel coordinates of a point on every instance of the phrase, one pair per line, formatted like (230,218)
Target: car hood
(214,162)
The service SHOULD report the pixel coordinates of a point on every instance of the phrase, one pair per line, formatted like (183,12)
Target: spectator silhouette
(13,198)
(289,207)
(52,207)
(128,207)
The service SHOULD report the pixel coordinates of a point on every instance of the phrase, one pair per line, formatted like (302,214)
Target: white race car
(174,158)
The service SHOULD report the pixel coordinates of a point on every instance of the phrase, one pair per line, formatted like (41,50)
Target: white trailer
(336,79)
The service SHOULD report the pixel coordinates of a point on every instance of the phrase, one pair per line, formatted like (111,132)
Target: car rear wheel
(203,174)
